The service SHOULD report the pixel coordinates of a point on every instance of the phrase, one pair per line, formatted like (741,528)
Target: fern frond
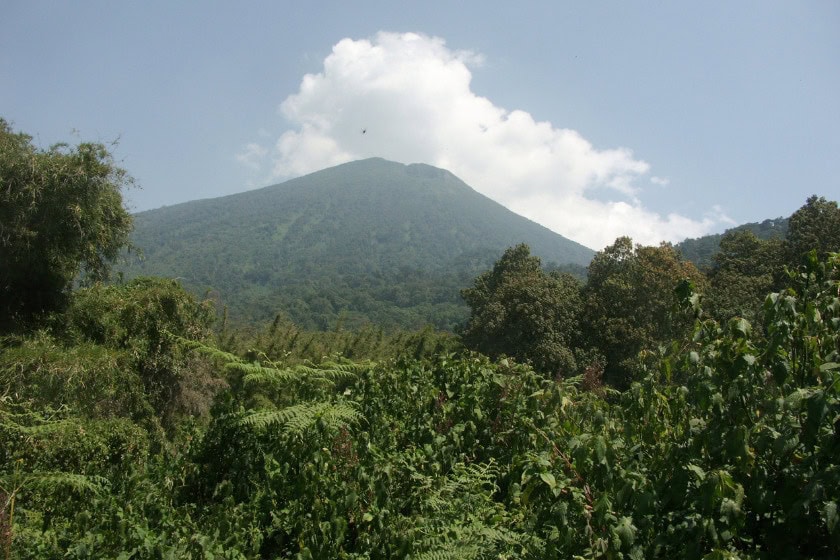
(296,419)
(356,368)
(336,375)
(473,535)
(573,382)
(326,372)
(50,481)
(465,552)
(464,480)
(461,519)
(46,428)
(78,482)
(473,540)
(255,374)
(332,372)
(210,351)
(33,424)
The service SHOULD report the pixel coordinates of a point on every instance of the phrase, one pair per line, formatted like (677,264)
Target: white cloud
(661,181)
(718,216)
(252,156)
(412,96)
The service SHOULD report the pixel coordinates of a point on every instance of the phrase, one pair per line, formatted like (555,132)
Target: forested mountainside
(368,241)
(701,251)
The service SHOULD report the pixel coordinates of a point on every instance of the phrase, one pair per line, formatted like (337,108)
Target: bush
(142,319)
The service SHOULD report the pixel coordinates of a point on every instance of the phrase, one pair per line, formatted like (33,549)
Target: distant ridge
(371,240)
(702,250)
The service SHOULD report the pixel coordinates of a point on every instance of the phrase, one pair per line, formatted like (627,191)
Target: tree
(629,301)
(814,226)
(742,274)
(61,214)
(520,311)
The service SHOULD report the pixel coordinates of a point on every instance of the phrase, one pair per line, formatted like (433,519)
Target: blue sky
(653,119)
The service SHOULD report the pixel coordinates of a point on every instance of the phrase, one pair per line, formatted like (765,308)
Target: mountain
(367,241)
(701,250)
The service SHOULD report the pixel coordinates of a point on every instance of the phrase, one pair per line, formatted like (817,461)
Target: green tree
(742,274)
(521,311)
(748,429)
(629,302)
(61,213)
(814,226)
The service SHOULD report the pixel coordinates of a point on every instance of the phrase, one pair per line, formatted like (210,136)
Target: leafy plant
(61,213)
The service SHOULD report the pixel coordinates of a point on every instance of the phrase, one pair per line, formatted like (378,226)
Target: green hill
(701,250)
(367,241)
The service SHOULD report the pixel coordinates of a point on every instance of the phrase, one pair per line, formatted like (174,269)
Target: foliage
(60,442)
(702,250)
(520,311)
(89,380)
(50,463)
(139,319)
(751,466)
(87,398)
(815,226)
(744,271)
(724,441)
(746,267)
(368,242)
(61,213)
(285,342)
(629,303)
(725,446)
(358,444)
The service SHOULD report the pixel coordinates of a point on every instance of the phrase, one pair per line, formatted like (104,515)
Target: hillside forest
(369,242)
(651,409)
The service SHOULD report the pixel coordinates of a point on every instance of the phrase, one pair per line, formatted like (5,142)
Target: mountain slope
(369,240)
(702,250)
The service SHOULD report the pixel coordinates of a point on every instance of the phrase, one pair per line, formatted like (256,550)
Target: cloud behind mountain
(407,97)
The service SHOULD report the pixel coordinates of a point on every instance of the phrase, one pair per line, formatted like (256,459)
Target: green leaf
(700,473)
(720,555)
(830,515)
(548,478)
(741,326)
(626,532)
(601,449)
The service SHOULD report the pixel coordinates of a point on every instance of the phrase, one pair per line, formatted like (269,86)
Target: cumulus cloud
(411,95)
(252,156)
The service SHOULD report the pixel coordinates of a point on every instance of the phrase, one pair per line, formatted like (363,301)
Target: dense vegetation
(701,251)
(60,210)
(368,242)
(632,420)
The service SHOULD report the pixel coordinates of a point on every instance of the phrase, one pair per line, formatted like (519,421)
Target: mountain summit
(370,240)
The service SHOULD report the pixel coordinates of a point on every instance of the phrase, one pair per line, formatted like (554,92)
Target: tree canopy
(521,311)
(814,226)
(629,302)
(745,270)
(61,214)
